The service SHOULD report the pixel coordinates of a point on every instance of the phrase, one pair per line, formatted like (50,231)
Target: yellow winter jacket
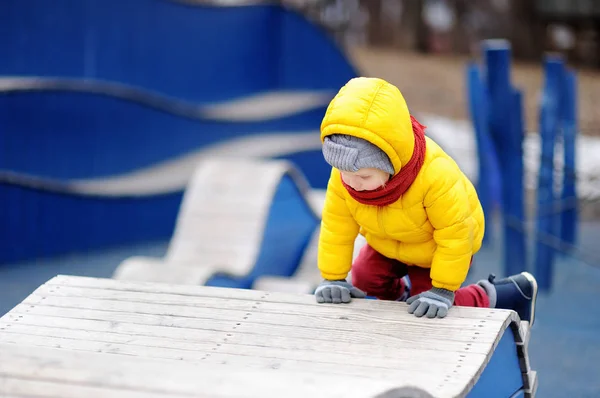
(437,223)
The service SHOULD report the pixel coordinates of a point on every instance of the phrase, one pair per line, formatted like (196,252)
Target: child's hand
(434,302)
(337,292)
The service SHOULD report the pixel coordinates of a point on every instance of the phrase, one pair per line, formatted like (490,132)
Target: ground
(435,84)
(564,346)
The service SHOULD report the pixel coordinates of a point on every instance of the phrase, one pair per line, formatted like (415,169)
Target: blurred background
(106,109)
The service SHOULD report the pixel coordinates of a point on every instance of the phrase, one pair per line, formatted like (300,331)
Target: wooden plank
(220,223)
(259,331)
(31,388)
(257,365)
(157,270)
(190,328)
(289,314)
(172,336)
(70,373)
(421,361)
(256,179)
(236,320)
(363,306)
(248,344)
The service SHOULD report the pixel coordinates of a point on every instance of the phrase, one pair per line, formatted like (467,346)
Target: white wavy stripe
(269,105)
(226,3)
(259,107)
(173,175)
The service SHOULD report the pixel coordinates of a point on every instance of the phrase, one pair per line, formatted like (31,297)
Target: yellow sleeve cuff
(333,277)
(446,286)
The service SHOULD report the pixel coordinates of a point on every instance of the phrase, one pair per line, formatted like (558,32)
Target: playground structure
(110,338)
(131,105)
(94,186)
(255,223)
(496,110)
(194,255)
(117,146)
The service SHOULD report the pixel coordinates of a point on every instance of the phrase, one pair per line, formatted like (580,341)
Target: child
(418,212)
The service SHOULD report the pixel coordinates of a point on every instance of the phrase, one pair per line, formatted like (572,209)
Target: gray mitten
(337,292)
(433,302)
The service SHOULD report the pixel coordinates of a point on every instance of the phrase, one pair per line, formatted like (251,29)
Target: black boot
(517,293)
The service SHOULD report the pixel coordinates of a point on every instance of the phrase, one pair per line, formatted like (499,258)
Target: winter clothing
(517,293)
(434,302)
(384,278)
(436,223)
(400,182)
(348,153)
(337,292)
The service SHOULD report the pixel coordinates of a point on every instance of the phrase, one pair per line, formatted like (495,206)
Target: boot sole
(534,293)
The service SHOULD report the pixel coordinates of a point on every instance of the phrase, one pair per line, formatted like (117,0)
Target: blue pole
(569,219)
(549,123)
(515,259)
(504,127)
(489,173)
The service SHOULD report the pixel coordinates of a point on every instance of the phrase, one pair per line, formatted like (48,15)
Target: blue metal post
(504,127)
(549,123)
(569,219)
(515,259)
(488,182)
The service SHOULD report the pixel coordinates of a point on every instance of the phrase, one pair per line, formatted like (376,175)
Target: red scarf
(399,183)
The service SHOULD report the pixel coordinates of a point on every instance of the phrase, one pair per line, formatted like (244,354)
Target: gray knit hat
(349,153)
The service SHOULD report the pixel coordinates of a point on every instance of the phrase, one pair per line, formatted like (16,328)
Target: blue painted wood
(312,164)
(77,135)
(549,125)
(507,135)
(74,135)
(200,54)
(195,52)
(488,182)
(502,377)
(515,245)
(289,227)
(569,216)
(41,223)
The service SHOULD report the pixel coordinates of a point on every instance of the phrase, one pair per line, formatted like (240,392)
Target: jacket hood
(374,110)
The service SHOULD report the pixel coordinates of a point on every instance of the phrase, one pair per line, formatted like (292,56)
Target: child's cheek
(372,185)
(347,180)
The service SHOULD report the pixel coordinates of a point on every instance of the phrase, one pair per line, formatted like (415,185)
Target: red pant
(381,277)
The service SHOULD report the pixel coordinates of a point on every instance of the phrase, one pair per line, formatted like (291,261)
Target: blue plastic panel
(66,135)
(42,223)
(200,54)
(195,52)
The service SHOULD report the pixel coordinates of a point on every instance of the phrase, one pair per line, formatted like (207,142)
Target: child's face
(365,179)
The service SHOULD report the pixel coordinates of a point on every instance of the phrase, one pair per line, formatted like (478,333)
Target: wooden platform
(88,337)
(238,228)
